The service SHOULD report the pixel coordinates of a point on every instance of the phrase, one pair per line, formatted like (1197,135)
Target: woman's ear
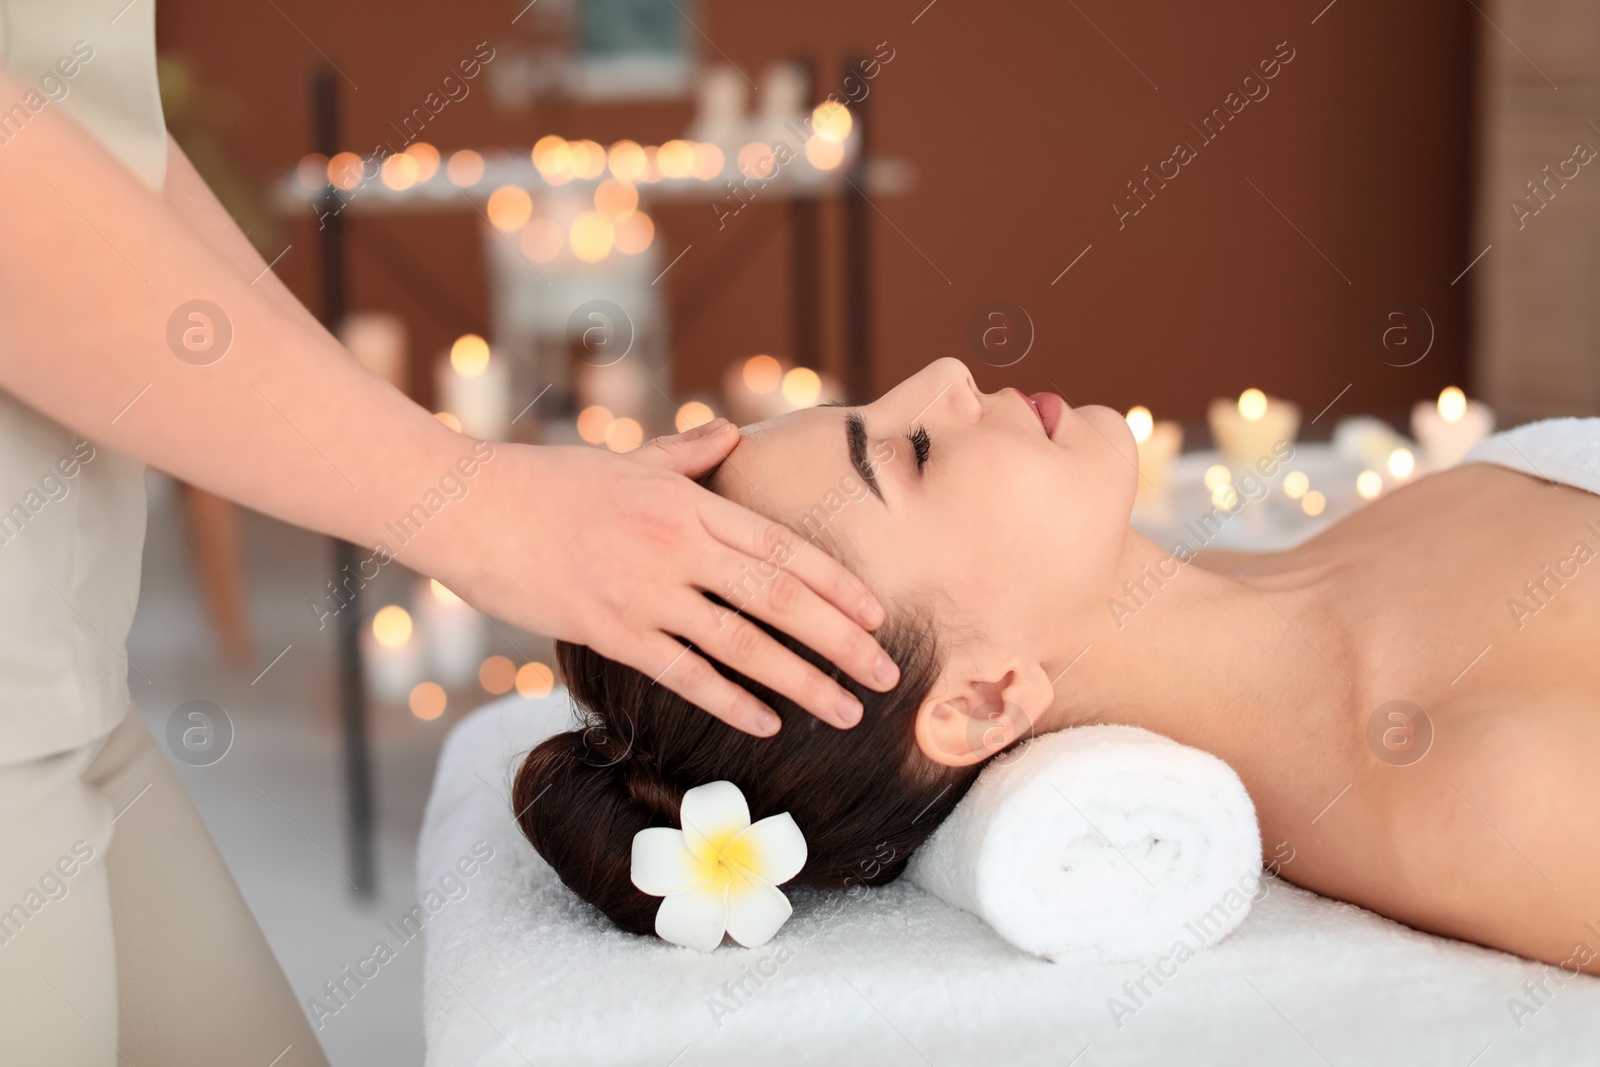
(986,698)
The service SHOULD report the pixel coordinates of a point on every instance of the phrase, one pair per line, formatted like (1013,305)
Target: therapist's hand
(613,552)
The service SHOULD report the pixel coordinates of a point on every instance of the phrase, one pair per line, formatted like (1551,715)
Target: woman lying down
(994,527)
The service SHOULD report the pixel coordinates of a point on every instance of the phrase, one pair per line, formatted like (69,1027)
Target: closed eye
(921,445)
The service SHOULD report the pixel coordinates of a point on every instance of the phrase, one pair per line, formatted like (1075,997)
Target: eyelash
(920,445)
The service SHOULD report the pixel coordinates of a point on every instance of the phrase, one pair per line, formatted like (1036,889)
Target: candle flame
(469,355)
(1252,404)
(1452,404)
(1140,422)
(392,626)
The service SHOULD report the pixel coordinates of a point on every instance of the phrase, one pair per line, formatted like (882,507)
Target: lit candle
(1247,431)
(1159,443)
(475,387)
(454,630)
(1448,429)
(390,654)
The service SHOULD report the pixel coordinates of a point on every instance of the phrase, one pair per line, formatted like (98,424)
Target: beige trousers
(123,938)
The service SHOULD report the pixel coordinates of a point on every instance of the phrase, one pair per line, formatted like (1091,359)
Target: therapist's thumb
(693,452)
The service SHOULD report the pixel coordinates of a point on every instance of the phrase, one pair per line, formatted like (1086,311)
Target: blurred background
(1364,229)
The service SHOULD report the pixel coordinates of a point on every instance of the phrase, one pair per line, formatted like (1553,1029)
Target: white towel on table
(1560,450)
(521,971)
(1104,840)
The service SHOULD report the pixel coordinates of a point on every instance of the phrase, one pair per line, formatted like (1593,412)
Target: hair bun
(601,748)
(580,797)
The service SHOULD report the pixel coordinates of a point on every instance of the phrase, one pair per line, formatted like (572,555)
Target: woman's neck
(1222,658)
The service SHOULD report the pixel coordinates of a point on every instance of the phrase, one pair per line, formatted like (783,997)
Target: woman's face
(958,500)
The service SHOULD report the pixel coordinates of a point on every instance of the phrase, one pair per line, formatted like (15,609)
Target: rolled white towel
(1108,841)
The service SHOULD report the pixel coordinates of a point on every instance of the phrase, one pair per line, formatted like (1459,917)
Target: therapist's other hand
(614,551)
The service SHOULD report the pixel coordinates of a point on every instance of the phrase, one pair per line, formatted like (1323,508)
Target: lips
(1049,407)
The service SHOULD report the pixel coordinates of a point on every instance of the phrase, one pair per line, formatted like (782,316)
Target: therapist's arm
(610,551)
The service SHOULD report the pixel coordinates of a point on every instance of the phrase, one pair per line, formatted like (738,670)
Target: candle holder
(475,387)
(1159,444)
(454,631)
(1448,428)
(1246,431)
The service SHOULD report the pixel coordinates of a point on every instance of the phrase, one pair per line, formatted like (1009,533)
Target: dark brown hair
(865,797)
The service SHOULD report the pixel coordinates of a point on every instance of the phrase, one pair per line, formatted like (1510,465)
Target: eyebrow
(855,434)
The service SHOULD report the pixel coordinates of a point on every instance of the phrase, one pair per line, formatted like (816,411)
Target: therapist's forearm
(94,265)
(193,202)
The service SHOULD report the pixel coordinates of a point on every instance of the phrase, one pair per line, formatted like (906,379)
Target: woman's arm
(287,423)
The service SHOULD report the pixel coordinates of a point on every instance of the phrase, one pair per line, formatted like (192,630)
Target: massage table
(520,971)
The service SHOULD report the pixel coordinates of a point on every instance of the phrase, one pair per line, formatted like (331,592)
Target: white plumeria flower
(720,873)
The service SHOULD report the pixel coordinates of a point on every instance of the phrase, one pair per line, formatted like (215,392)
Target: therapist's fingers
(691,453)
(783,599)
(674,665)
(729,637)
(774,544)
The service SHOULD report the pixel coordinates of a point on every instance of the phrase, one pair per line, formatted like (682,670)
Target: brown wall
(1023,123)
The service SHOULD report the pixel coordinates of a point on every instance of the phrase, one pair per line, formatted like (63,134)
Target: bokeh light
(634,233)
(427,159)
(1313,503)
(802,387)
(1141,422)
(465,167)
(497,675)
(593,421)
(824,155)
(588,159)
(399,172)
(312,171)
(469,355)
(627,161)
(1452,404)
(535,680)
(831,121)
(757,161)
(652,165)
(428,701)
(762,374)
(592,236)
(577,158)
(624,435)
(707,162)
(615,199)
(694,413)
(1369,484)
(1402,463)
(509,207)
(1252,404)
(542,240)
(552,156)
(443,593)
(1295,484)
(344,170)
(1224,497)
(1217,476)
(676,159)
(392,626)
